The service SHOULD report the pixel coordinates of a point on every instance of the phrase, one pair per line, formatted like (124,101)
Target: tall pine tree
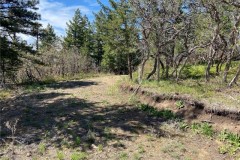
(118,32)
(48,36)
(16,17)
(77,31)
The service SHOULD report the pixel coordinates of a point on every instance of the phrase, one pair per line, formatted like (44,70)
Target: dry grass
(91,119)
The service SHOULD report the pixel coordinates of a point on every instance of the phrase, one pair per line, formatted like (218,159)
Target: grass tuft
(79,156)
(166,114)
(231,142)
(203,128)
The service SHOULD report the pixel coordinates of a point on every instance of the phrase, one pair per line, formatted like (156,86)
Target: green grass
(193,83)
(123,156)
(179,104)
(203,128)
(166,114)
(100,147)
(60,155)
(183,126)
(34,87)
(77,141)
(42,148)
(231,142)
(79,156)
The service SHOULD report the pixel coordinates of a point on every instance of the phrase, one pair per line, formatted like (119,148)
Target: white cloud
(58,14)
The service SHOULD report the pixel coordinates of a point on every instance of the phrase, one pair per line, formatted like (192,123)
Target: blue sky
(59,12)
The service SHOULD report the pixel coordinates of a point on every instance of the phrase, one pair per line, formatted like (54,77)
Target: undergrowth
(79,156)
(193,83)
(231,142)
(166,114)
(203,128)
(4,94)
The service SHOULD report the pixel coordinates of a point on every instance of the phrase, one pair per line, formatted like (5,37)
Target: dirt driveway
(91,119)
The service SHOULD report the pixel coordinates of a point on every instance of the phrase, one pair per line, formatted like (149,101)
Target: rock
(94,146)
(29,154)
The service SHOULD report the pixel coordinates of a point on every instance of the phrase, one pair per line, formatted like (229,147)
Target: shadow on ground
(71,84)
(74,122)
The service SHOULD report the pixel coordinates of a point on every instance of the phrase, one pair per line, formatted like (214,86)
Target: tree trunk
(153,71)
(3,78)
(130,67)
(180,70)
(235,78)
(158,68)
(141,71)
(207,72)
(228,64)
(219,63)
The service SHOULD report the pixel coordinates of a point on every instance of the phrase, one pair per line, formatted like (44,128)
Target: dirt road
(92,118)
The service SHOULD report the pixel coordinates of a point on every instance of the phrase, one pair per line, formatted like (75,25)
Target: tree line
(123,38)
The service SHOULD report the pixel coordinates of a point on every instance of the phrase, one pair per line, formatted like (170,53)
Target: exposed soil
(92,116)
(192,110)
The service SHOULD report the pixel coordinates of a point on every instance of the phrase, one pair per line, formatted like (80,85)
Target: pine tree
(15,17)
(77,30)
(119,34)
(48,36)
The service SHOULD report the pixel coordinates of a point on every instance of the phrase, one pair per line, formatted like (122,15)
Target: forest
(155,68)
(124,37)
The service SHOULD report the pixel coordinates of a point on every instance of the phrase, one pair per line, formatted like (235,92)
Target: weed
(34,87)
(4,94)
(79,156)
(100,147)
(65,143)
(166,114)
(183,126)
(136,156)
(41,148)
(141,150)
(77,141)
(150,137)
(107,132)
(60,155)
(232,142)
(223,135)
(123,156)
(72,123)
(203,128)
(179,104)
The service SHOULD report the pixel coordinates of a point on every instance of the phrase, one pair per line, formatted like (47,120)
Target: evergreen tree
(98,51)
(77,31)
(16,17)
(48,36)
(119,34)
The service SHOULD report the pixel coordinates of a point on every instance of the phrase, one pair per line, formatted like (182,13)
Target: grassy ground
(193,83)
(91,119)
(28,87)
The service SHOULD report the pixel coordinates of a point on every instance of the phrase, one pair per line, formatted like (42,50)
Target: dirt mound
(189,109)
